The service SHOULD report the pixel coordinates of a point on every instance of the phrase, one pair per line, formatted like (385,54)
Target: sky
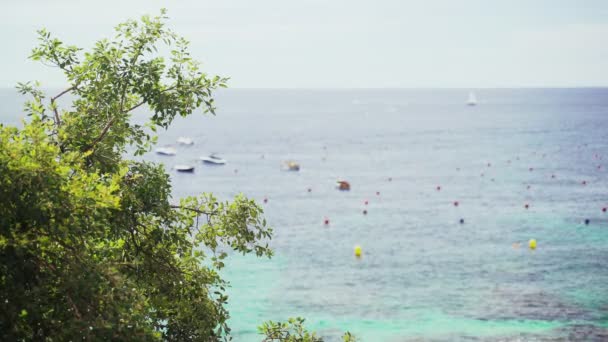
(342,43)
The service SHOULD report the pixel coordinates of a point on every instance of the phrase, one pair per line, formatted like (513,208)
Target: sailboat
(472,101)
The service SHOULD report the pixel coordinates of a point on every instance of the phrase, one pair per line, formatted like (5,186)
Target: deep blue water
(423,275)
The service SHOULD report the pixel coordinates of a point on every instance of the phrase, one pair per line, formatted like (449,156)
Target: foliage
(91,245)
(293,331)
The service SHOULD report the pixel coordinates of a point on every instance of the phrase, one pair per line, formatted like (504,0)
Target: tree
(91,246)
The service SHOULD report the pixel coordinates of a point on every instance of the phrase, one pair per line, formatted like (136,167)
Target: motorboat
(166,151)
(343,185)
(184,168)
(291,165)
(185,141)
(213,160)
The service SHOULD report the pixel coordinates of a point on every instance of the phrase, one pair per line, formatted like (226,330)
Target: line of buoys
(532,243)
(358,251)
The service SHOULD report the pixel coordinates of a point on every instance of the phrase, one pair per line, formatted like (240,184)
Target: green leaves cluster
(92,246)
(293,331)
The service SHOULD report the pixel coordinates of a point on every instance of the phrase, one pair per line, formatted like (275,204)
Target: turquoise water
(423,275)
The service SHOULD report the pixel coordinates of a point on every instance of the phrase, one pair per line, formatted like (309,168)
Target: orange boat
(343,185)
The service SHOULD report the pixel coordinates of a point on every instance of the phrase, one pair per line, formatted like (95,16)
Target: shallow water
(422,275)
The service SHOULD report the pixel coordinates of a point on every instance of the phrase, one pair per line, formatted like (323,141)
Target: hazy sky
(343,43)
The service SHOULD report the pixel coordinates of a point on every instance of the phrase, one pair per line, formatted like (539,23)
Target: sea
(444,200)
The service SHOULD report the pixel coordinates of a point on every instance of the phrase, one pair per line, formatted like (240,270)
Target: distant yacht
(185,141)
(472,101)
(213,160)
(166,151)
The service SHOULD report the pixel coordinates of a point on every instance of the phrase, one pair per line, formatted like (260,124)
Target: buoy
(236,170)
(438,187)
(326,221)
(366,202)
(358,251)
(604,209)
(364,212)
(377,193)
(390,179)
(489,164)
(265,200)
(482,174)
(309,190)
(527,206)
(456,203)
(584,182)
(531,169)
(552,176)
(461,221)
(515,245)
(528,187)
(587,221)
(532,244)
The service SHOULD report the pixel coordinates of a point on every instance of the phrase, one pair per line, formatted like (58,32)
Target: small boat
(343,185)
(184,168)
(185,141)
(166,151)
(213,160)
(472,101)
(291,165)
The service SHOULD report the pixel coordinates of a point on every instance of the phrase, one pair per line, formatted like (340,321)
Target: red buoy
(326,221)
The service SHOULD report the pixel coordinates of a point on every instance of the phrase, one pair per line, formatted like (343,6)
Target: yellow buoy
(358,251)
(532,244)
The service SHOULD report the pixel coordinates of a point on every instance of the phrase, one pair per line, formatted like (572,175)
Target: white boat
(166,151)
(213,160)
(185,141)
(184,168)
(472,101)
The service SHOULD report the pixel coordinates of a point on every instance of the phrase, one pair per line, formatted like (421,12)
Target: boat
(343,185)
(291,165)
(166,151)
(213,160)
(185,141)
(184,168)
(472,101)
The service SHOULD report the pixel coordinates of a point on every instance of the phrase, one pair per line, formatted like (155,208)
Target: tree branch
(57,120)
(195,210)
